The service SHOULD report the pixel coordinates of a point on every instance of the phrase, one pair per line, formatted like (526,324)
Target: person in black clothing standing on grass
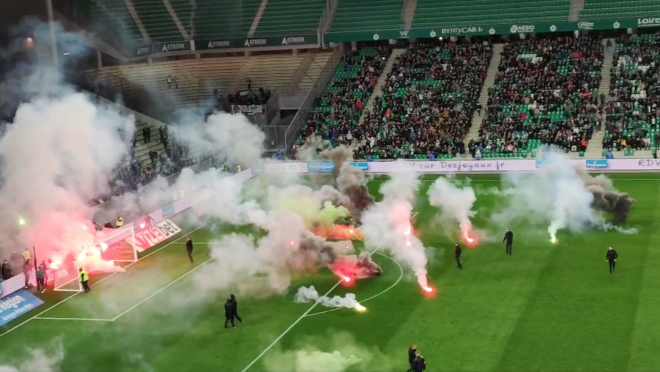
(420,363)
(457,252)
(412,354)
(233,299)
(189,248)
(611,257)
(508,238)
(231,311)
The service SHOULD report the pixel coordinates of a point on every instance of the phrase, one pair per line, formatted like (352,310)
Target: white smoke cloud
(386,224)
(334,353)
(554,196)
(39,360)
(454,202)
(310,294)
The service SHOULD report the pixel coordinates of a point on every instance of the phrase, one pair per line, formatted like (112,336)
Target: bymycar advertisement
(17,304)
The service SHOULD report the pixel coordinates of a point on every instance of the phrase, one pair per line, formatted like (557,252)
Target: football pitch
(547,308)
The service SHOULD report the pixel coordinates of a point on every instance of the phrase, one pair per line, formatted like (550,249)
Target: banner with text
(249,110)
(256,42)
(467,166)
(153,234)
(485,30)
(162,48)
(17,304)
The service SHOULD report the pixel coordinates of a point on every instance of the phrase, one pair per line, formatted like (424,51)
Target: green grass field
(547,308)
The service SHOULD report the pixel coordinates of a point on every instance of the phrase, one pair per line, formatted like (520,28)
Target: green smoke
(329,215)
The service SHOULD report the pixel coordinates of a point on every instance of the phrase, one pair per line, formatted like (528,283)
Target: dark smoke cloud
(349,180)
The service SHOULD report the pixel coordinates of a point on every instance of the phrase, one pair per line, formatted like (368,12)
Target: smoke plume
(455,203)
(310,294)
(334,353)
(350,181)
(386,224)
(563,196)
(39,360)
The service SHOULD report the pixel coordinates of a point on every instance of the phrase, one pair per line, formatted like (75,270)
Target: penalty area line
(100,281)
(74,319)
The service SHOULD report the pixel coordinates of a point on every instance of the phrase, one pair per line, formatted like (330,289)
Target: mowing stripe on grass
(100,281)
(162,289)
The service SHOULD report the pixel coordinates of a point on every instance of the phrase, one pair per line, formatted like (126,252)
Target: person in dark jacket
(611,257)
(229,313)
(457,252)
(189,249)
(412,354)
(508,238)
(233,299)
(420,363)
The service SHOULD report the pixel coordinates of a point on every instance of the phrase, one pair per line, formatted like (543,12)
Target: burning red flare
(291,243)
(428,289)
(142,225)
(347,279)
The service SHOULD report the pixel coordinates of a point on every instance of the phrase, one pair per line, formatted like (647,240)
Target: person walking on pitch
(189,249)
(508,238)
(420,363)
(611,257)
(412,354)
(84,279)
(457,252)
(232,298)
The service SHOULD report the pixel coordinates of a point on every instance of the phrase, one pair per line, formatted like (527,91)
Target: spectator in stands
(175,80)
(146,134)
(631,116)
(545,91)
(427,104)
(5,270)
(169,81)
(336,121)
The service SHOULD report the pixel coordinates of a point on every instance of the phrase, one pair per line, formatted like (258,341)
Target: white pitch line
(288,329)
(162,289)
(95,283)
(79,319)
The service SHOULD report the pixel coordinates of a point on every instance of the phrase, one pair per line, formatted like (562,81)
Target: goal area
(107,256)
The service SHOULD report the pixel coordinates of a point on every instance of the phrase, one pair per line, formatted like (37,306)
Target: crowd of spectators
(427,104)
(335,120)
(545,92)
(633,110)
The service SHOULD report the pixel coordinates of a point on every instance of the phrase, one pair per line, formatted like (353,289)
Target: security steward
(457,252)
(84,279)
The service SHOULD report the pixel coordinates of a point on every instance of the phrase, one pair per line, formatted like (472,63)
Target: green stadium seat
(157,20)
(290,18)
(383,15)
(453,13)
(217,19)
(617,9)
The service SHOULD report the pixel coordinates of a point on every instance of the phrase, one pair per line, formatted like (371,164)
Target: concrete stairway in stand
(483,96)
(595,147)
(378,90)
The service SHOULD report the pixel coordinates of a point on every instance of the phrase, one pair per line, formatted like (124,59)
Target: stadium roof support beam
(138,21)
(175,18)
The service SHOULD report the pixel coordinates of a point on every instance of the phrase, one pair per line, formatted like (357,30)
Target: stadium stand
(456,13)
(427,103)
(383,15)
(271,72)
(290,18)
(632,114)
(220,73)
(617,9)
(157,20)
(335,119)
(113,15)
(319,60)
(546,92)
(217,19)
